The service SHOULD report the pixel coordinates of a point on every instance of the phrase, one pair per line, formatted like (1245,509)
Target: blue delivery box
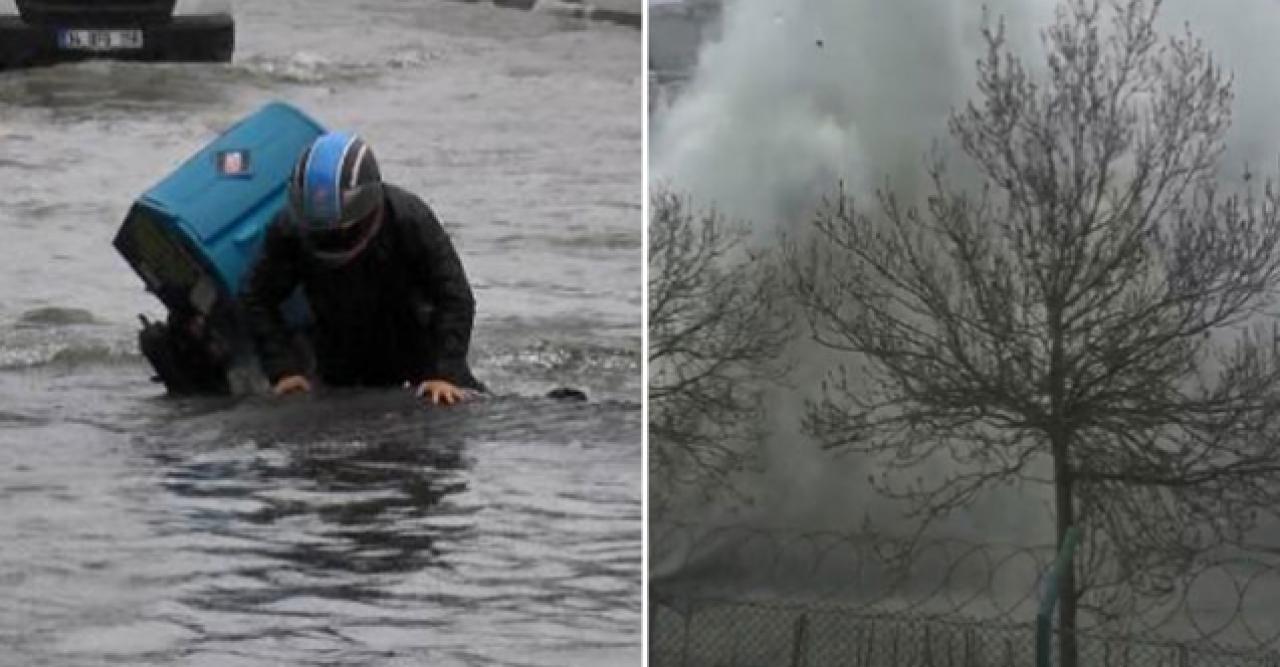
(193,236)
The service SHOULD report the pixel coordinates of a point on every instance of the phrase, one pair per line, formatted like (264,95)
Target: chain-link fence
(729,633)
(1229,600)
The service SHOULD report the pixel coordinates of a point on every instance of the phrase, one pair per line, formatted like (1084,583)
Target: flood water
(342,528)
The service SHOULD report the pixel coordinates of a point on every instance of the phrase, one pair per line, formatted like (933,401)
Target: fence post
(653,615)
(1044,618)
(870,644)
(928,647)
(684,645)
(798,638)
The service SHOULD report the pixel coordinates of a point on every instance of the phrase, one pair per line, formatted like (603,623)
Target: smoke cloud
(797,95)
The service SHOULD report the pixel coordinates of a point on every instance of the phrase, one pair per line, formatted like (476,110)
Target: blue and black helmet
(335,194)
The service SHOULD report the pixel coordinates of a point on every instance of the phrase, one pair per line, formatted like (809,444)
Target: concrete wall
(634,6)
(625,12)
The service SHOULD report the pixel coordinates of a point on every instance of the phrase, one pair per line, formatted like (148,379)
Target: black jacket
(400,312)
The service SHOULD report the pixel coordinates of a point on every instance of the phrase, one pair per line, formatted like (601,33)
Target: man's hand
(291,384)
(441,392)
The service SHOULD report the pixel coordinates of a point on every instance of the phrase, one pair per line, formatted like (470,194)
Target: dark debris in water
(567,394)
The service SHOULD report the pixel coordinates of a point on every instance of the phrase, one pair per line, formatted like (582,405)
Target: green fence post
(870,643)
(799,637)
(684,645)
(1044,618)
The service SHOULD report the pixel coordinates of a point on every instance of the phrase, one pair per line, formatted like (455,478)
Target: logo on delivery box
(234,163)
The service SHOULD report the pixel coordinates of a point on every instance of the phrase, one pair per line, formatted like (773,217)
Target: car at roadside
(35,32)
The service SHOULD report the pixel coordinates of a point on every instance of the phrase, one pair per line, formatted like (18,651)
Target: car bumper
(183,38)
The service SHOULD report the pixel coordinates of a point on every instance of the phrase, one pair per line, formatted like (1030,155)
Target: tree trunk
(1063,483)
(1060,436)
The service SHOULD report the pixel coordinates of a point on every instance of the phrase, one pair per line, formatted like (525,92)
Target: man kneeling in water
(390,299)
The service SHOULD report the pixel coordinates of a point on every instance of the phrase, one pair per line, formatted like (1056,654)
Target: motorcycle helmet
(336,196)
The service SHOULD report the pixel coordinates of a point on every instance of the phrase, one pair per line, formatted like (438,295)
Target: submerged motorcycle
(192,237)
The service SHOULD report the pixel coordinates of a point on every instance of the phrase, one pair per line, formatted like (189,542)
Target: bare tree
(716,327)
(1087,319)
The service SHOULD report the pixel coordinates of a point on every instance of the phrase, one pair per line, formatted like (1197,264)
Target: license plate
(100,40)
